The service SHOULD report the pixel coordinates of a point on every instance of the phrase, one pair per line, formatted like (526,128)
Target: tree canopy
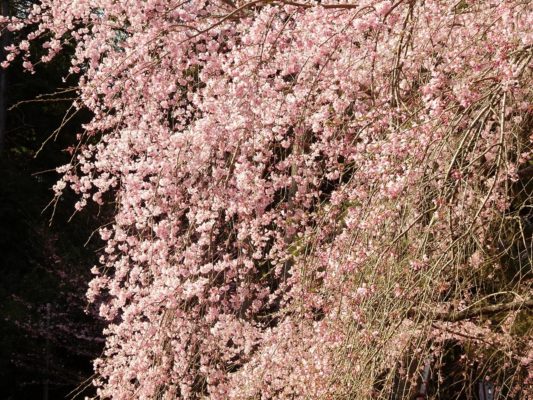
(311,199)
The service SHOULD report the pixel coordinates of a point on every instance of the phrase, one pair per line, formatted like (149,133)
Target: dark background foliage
(48,334)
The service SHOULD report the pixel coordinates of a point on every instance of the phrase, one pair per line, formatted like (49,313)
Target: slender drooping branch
(492,309)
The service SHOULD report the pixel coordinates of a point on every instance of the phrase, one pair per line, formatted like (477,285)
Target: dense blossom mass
(312,200)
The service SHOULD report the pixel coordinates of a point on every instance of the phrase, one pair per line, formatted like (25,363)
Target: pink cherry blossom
(300,188)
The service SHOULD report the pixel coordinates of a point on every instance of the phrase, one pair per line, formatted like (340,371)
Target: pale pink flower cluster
(290,180)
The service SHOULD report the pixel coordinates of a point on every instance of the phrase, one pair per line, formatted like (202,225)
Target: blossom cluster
(301,189)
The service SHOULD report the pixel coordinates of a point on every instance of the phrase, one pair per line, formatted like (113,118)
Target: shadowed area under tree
(47,340)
